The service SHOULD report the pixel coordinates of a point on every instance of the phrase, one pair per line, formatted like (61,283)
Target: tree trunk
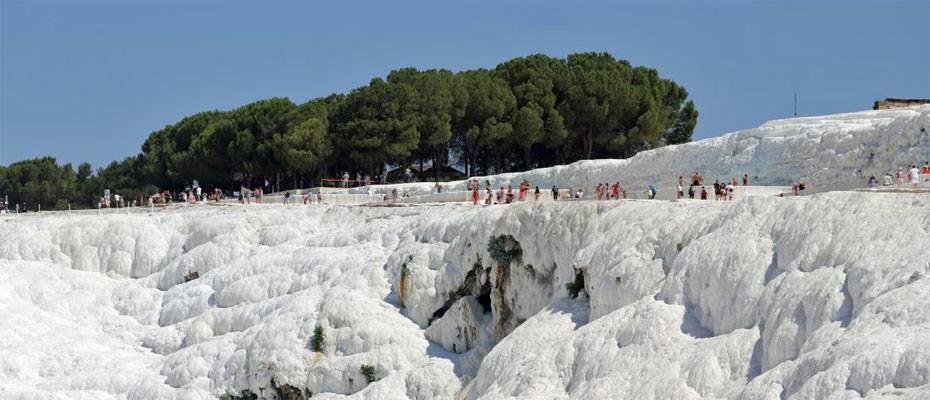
(436,167)
(526,157)
(588,143)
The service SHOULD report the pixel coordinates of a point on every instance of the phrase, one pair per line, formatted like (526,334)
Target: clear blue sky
(88,81)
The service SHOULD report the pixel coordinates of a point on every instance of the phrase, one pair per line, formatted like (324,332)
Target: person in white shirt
(915,177)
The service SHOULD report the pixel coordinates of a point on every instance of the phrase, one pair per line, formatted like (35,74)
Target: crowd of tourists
(188,196)
(697,189)
(694,188)
(911,176)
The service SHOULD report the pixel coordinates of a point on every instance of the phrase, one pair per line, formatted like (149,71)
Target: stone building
(898,103)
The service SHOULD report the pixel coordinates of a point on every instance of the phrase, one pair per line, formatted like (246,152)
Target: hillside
(828,152)
(811,297)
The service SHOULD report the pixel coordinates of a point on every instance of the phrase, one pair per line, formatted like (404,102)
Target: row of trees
(528,112)
(43,182)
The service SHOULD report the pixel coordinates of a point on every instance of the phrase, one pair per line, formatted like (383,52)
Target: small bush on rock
(368,372)
(504,249)
(191,276)
(319,339)
(577,285)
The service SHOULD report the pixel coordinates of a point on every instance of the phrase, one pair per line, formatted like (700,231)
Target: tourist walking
(915,177)
(697,179)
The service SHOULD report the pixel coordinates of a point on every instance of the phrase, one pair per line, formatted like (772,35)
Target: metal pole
(795,104)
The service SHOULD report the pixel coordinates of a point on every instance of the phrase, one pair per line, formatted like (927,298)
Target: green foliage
(684,125)
(527,112)
(377,125)
(679,246)
(504,249)
(319,338)
(404,271)
(576,286)
(304,147)
(368,372)
(39,181)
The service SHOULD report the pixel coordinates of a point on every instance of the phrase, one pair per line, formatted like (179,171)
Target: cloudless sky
(88,81)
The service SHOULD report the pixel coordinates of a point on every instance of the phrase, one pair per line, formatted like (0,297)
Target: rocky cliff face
(765,298)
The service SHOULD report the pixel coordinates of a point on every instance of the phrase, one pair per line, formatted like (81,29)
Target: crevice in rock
(845,312)
(758,351)
(191,276)
(288,392)
(772,271)
(499,300)
(469,287)
(484,296)
(691,324)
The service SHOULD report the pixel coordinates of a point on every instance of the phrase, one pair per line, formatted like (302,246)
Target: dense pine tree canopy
(528,112)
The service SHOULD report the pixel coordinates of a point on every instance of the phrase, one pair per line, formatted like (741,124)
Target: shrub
(368,372)
(191,276)
(679,246)
(504,249)
(246,395)
(404,271)
(577,285)
(319,339)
